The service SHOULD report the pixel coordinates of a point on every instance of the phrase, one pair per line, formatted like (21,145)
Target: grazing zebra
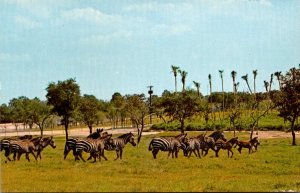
(227,145)
(209,142)
(248,144)
(119,143)
(70,143)
(92,146)
(170,144)
(24,146)
(43,144)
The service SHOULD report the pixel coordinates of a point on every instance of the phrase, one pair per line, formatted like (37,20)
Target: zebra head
(131,139)
(52,143)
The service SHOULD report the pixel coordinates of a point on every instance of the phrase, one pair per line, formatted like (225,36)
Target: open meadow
(274,167)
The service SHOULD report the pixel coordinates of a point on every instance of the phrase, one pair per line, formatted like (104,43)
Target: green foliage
(64,97)
(89,108)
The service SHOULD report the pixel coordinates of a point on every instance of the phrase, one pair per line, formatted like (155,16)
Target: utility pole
(150,92)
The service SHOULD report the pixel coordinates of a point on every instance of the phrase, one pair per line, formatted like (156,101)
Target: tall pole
(150,92)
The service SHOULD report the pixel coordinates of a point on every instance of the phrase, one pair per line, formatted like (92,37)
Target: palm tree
(197,85)
(221,75)
(254,83)
(183,77)
(278,74)
(271,82)
(266,85)
(233,75)
(174,70)
(245,77)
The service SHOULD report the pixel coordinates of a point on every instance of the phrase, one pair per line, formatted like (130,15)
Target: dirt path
(9,130)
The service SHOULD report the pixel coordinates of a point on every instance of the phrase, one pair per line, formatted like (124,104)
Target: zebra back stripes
(171,144)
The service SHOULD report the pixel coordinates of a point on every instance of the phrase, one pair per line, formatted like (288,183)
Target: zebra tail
(150,146)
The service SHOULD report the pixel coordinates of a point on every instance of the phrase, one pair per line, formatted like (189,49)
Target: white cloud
(161,7)
(26,22)
(106,38)
(90,15)
(164,29)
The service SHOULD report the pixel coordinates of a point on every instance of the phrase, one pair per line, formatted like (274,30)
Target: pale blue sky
(126,45)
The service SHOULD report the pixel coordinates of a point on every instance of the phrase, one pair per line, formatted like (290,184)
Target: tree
(181,106)
(183,78)
(287,101)
(39,113)
(18,109)
(278,76)
(138,109)
(221,75)
(197,85)
(64,96)
(233,75)
(89,107)
(4,114)
(254,82)
(174,70)
(245,77)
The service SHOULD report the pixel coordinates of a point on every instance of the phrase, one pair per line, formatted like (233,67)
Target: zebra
(70,143)
(5,145)
(209,142)
(170,144)
(119,143)
(24,146)
(192,145)
(227,145)
(92,146)
(43,144)
(248,144)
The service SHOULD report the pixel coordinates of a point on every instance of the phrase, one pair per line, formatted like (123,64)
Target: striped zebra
(119,143)
(170,144)
(24,146)
(5,145)
(43,144)
(226,145)
(209,142)
(70,143)
(192,145)
(93,146)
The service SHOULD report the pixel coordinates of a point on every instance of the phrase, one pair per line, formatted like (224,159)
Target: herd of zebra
(96,143)
(215,141)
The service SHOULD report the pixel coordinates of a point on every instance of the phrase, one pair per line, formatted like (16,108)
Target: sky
(126,45)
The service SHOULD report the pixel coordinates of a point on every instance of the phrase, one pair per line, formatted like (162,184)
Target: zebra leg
(231,153)
(217,151)
(102,155)
(176,153)
(121,153)
(27,157)
(91,156)
(240,149)
(198,152)
(154,153)
(80,155)
(118,152)
(15,156)
(33,155)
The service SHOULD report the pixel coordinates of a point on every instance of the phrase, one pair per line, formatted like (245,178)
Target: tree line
(64,101)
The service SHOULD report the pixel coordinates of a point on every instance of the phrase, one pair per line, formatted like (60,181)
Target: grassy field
(274,167)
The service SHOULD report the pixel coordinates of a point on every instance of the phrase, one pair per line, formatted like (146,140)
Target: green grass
(274,167)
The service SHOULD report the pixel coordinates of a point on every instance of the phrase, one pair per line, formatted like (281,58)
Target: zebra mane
(96,134)
(125,135)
